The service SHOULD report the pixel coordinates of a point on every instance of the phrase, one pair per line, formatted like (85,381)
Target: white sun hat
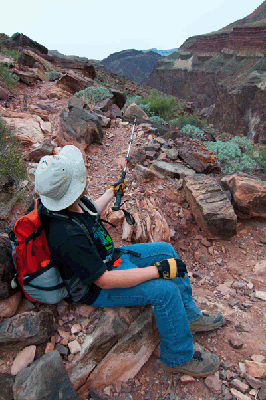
(61,179)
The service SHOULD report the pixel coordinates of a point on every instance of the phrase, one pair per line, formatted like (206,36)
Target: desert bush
(231,157)
(160,105)
(52,75)
(259,156)
(193,132)
(10,53)
(192,119)
(7,77)
(94,94)
(158,120)
(13,167)
(133,99)
(243,142)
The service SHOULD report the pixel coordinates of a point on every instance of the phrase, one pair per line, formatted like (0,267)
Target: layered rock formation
(226,69)
(133,64)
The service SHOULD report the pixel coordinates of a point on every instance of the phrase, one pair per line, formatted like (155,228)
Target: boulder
(173,170)
(28,77)
(116,111)
(6,268)
(26,329)
(134,111)
(30,59)
(82,125)
(127,357)
(9,306)
(6,386)
(118,98)
(249,195)
(4,94)
(143,174)
(110,328)
(45,378)
(73,82)
(26,127)
(24,41)
(77,102)
(197,156)
(46,148)
(210,206)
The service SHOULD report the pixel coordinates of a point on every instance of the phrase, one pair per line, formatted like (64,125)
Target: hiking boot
(202,364)
(208,322)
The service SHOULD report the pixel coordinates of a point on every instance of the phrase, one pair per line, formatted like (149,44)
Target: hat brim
(77,184)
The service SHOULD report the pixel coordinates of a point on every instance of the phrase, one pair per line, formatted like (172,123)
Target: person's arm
(126,278)
(103,201)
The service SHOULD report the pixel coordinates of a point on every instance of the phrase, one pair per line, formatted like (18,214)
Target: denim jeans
(174,306)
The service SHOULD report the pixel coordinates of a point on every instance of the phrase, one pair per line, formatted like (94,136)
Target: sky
(96,29)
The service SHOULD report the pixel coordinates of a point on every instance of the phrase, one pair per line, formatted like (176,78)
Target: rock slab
(45,379)
(211,207)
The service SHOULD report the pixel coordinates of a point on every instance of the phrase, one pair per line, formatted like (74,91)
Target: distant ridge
(161,52)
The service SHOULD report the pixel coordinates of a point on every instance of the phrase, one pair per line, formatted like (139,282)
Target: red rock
(213,383)
(185,379)
(238,395)
(23,359)
(8,307)
(238,385)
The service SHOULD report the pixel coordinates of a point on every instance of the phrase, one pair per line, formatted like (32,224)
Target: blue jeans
(174,306)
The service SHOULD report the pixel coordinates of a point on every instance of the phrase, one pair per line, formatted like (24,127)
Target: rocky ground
(227,276)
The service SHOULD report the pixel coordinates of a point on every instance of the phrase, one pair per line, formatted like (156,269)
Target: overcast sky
(96,29)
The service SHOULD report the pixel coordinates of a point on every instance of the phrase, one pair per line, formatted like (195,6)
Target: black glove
(120,185)
(171,268)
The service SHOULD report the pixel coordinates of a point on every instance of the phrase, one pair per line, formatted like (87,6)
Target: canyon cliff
(135,65)
(223,72)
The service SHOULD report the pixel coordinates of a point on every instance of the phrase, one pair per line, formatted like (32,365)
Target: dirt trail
(211,264)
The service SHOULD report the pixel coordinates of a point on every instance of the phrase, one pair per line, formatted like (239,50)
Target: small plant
(259,157)
(133,99)
(10,53)
(243,142)
(158,120)
(52,75)
(7,77)
(94,94)
(13,167)
(163,106)
(231,157)
(192,119)
(193,132)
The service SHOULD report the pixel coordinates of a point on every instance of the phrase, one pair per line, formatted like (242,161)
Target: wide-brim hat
(61,179)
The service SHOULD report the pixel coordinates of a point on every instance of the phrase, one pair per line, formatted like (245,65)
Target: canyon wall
(225,70)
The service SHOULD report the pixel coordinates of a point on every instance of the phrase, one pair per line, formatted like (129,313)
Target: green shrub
(13,167)
(7,77)
(231,157)
(192,119)
(259,157)
(52,75)
(243,142)
(94,94)
(133,99)
(193,132)
(158,120)
(163,106)
(10,53)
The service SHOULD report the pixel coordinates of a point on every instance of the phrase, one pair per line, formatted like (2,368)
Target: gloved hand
(171,268)
(122,185)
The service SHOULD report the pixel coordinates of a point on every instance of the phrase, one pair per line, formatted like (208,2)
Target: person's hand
(171,268)
(120,185)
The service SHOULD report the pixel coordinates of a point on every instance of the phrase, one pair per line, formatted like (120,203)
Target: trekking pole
(120,193)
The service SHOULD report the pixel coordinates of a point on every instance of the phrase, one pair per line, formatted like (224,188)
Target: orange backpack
(36,272)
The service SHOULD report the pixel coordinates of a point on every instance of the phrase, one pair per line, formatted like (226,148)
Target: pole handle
(118,198)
